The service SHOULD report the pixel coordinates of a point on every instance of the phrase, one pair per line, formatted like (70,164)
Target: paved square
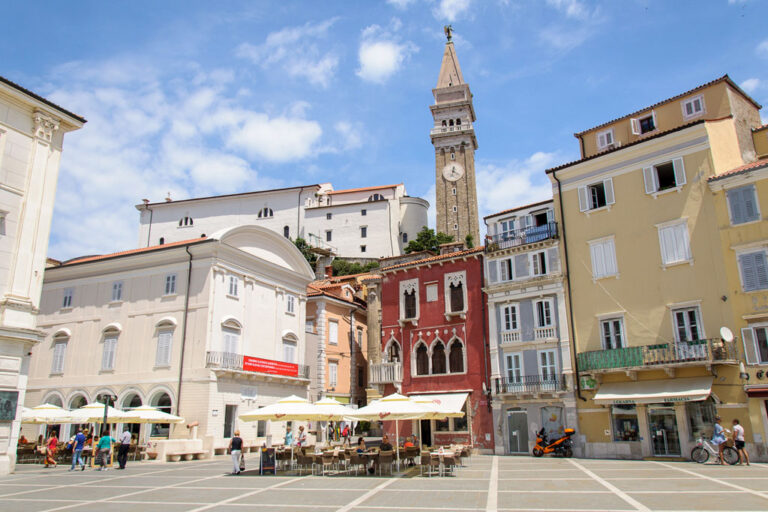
(515,484)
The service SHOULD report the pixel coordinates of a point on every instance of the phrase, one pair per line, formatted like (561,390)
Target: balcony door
(515,368)
(517,423)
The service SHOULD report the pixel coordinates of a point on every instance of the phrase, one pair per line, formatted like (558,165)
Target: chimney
(168,198)
(329,271)
(451,247)
(145,201)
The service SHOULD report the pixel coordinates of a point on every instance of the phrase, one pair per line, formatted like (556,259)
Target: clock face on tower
(453,171)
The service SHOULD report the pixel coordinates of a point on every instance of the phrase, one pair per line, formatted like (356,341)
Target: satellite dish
(726,334)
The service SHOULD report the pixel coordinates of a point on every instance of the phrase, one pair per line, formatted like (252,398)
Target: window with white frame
(409,299)
(289,350)
(674,242)
(596,195)
(664,176)
(509,318)
(753,268)
(333,332)
(230,340)
(506,267)
(543,310)
(333,373)
(431,292)
(612,330)
(515,367)
(290,304)
(66,301)
(644,124)
(117,291)
(164,345)
(742,204)
(605,139)
(755,344)
(506,228)
(603,253)
(693,107)
(309,325)
(170,284)
(455,292)
(687,324)
(539,263)
(547,365)
(233,286)
(359,336)
(109,350)
(59,353)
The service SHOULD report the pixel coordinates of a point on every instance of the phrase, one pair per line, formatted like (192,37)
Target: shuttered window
(505,269)
(230,340)
(422,360)
(59,351)
(333,332)
(163,353)
(410,304)
(108,354)
(664,176)
(117,291)
(543,313)
(596,195)
(754,271)
(457,297)
(170,284)
(603,254)
(233,286)
(675,246)
(742,203)
(333,374)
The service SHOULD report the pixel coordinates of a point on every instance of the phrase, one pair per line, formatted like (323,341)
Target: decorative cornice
(45,125)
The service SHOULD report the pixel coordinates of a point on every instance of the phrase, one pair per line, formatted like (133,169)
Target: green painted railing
(684,352)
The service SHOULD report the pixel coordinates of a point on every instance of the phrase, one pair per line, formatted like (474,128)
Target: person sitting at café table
(385,445)
(23,440)
(360,445)
(410,443)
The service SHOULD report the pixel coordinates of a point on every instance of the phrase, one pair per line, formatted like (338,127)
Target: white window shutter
(610,258)
(608,187)
(748,197)
(750,350)
(650,180)
(761,271)
(748,272)
(601,143)
(492,273)
(583,199)
(598,262)
(677,163)
(635,126)
(653,116)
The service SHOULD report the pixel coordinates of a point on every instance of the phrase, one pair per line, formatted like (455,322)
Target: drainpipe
(486,347)
(184,329)
(571,327)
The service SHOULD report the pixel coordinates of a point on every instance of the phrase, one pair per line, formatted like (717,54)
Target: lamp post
(107,399)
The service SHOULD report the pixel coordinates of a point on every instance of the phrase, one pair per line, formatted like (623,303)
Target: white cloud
(400,4)
(571,8)
(562,38)
(351,134)
(451,10)
(762,49)
(295,50)
(281,139)
(431,212)
(381,54)
(751,85)
(514,183)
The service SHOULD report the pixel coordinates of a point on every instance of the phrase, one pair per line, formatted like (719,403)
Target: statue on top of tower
(448,29)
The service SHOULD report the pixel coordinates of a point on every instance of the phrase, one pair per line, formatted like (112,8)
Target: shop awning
(689,389)
(757,392)
(450,403)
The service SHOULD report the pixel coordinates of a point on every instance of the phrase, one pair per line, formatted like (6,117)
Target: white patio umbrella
(149,414)
(335,410)
(292,408)
(45,414)
(94,413)
(396,407)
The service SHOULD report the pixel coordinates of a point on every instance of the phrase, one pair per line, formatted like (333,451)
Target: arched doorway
(76,402)
(131,401)
(163,402)
(53,399)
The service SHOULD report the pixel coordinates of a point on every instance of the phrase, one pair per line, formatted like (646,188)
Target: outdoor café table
(441,455)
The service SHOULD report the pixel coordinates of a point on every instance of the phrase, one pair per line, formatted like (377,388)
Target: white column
(683,431)
(645,432)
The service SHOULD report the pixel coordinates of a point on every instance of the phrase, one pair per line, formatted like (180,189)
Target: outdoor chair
(343,459)
(303,461)
(449,463)
(358,461)
(327,461)
(386,459)
(411,453)
(425,461)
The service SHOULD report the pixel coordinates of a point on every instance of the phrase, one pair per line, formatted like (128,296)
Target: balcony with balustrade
(445,130)
(231,363)
(666,356)
(534,385)
(539,334)
(385,373)
(521,237)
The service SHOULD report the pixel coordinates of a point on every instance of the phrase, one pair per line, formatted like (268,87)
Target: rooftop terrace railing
(522,236)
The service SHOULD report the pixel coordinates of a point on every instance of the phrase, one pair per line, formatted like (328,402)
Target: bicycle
(704,448)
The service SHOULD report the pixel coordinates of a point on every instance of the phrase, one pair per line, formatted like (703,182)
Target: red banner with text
(256,364)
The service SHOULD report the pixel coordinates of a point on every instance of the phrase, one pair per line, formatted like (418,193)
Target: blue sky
(204,98)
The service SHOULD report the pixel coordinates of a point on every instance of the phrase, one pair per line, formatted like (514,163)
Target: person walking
(718,439)
(301,439)
(104,447)
(77,450)
(288,437)
(345,436)
(236,449)
(125,445)
(738,442)
(50,449)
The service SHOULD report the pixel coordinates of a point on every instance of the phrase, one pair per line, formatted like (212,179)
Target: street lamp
(107,399)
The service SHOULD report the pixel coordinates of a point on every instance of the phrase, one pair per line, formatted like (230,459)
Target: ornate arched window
(393,352)
(456,357)
(266,213)
(422,359)
(438,358)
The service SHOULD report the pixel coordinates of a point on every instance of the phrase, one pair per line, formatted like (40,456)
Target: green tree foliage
(469,241)
(344,268)
(306,250)
(427,240)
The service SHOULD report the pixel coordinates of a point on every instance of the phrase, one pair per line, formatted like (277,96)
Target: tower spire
(450,71)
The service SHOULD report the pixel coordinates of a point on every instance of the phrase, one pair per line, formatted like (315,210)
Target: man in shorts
(738,442)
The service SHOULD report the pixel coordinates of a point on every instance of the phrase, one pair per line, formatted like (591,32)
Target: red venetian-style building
(433,338)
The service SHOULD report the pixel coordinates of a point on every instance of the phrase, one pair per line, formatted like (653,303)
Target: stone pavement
(486,484)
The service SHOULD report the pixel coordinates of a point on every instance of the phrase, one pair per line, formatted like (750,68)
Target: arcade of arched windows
(438,358)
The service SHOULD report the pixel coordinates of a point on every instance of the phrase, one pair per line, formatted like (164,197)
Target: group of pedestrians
(102,450)
(719,439)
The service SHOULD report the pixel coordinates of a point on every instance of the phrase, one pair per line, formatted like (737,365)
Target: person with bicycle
(738,442)
(718,439)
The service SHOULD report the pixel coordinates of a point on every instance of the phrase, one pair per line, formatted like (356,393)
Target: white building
(531,371)
(371,222)
(31,137)
(206,328)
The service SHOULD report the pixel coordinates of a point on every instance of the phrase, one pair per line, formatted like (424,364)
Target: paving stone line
(717,480)
(367,495)
(245,495)
(493,487)
(618,492)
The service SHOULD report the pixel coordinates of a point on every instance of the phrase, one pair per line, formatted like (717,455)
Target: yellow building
(648,295)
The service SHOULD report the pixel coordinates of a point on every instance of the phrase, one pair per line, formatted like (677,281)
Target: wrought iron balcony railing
(530,384)
(386,373)
(705,351)
(522,236)
(232,361)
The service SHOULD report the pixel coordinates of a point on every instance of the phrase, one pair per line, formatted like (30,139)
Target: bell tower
(453,137)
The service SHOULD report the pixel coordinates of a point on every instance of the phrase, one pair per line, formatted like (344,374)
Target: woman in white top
(738,441)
